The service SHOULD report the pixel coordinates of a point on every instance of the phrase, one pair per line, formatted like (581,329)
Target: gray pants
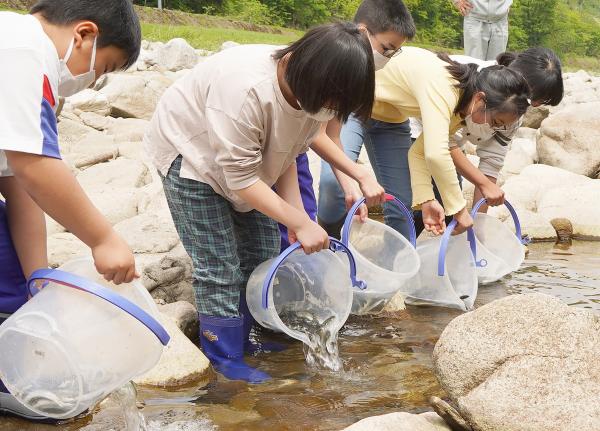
(485,40)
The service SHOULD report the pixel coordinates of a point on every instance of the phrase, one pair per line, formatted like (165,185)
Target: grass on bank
(211,38)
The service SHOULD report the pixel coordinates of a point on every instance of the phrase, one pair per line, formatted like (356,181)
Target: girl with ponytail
(446,96)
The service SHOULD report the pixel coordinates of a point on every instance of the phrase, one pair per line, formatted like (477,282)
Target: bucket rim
(77,282)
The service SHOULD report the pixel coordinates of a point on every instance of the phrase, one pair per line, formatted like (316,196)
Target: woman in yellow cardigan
(446,96)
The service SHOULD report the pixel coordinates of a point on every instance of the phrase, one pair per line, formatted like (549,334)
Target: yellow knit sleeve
(437,99)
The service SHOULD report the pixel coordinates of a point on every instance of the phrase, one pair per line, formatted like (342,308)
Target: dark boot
(222,340)
(249,346)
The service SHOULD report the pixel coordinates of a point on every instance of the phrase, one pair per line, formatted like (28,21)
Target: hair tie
(529,101)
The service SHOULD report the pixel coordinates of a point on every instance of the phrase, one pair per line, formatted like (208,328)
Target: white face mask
(380,60)
(69,84)
(323,116)
(475,130)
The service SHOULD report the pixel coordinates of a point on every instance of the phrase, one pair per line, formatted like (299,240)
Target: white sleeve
(491,157)
(27,119)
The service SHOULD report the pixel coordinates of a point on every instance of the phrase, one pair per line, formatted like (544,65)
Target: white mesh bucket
(300,286)
(448,276)
(499,250)
(385,259)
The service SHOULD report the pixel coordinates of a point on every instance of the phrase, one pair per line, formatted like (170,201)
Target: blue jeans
(387,145)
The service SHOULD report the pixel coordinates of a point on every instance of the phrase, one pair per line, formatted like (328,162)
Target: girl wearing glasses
(542,71)
(446,96)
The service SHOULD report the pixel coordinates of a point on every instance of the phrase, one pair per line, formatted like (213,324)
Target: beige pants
(485,40)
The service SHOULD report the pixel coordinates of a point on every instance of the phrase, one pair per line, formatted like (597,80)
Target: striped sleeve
(27,119)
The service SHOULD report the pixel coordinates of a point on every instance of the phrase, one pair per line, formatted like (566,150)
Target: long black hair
(332,67)
(506,90)
(542,69)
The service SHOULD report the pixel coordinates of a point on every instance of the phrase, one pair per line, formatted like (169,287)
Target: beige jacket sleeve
(430,155)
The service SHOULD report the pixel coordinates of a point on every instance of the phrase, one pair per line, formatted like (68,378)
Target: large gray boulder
(181,362)
(570,139)
(176,55)
(525,362)
(541,193)
(90,100)
(120,173)
(149,232)
(135,95)
(401,422)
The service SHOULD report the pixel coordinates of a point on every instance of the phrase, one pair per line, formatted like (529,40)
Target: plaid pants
(225,245)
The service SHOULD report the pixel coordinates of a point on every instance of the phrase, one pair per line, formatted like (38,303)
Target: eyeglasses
(387,52)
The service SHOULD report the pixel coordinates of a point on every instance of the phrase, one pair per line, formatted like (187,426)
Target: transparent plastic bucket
(499,250)
(385,259)
(295,284)
(78,339)
(448,276)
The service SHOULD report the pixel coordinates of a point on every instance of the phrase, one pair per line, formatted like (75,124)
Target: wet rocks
(401,422)
(181,363)
(525,359)
(185,316)
(563,228)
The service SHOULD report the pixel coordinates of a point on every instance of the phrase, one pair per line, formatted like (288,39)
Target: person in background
(222,139)
(485,27)
(443,94)
(388,25)
(58,49)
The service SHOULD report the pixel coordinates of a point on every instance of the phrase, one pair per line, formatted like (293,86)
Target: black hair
(386,15)
(332,67)
(542,69)
(118,24)
(506,90)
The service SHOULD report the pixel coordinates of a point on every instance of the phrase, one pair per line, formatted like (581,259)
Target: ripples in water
(387,364)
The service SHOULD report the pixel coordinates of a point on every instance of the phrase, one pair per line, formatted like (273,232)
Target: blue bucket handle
(334,245)
(513,213)
(388,198)
(444,247)
(80,283)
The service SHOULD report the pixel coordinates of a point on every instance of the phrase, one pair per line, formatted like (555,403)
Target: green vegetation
(212,38)
(570,27)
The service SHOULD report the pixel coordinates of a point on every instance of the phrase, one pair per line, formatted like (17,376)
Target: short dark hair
(386,15)
(332,67)
(118,24)
(542,69)
(506,90)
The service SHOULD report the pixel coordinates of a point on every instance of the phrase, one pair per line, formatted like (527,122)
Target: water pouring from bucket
(78,339)
(385,259)
(499,251)
(307,297)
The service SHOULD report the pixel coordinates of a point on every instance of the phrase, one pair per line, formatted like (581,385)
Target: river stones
(401,422)
(181,363)
(525,362)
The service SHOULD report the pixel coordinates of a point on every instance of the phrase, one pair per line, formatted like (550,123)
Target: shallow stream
(387,363)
